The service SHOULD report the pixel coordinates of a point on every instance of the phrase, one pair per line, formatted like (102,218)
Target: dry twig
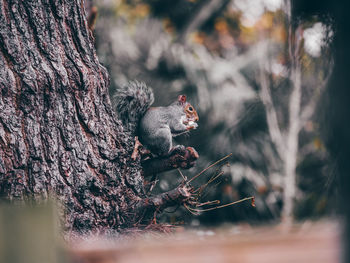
(197,211)
(210,166)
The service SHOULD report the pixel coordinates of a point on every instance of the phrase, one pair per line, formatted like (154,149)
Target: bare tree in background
(301,105)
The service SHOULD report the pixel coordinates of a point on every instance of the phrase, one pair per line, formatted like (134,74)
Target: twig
(202,187)
(200,194)
(189,210)
(136,149)
(196,176)
(222,206)
(183,177)
(215,202)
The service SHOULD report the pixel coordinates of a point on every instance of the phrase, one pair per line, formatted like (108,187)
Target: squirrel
(155,126)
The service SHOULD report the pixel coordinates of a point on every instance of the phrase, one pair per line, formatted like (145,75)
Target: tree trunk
(291,150)
(58,134)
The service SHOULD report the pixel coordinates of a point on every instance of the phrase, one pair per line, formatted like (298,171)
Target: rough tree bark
(58,134)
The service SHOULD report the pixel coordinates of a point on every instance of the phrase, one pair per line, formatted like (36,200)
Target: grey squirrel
(155,126)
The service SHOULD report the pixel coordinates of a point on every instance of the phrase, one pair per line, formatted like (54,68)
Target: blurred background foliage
(236,61)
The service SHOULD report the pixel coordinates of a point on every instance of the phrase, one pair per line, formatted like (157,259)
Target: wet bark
(58,134)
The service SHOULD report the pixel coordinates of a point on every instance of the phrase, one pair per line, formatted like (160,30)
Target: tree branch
(147,207)
(178,159)
(271,115)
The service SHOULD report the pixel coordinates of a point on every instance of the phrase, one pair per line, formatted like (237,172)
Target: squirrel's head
(191,113)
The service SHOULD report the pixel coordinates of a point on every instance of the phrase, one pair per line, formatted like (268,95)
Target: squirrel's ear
(182,98)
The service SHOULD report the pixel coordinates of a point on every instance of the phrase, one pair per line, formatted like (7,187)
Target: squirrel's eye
(190,109)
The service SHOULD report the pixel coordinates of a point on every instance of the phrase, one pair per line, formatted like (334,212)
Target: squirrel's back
(131,102)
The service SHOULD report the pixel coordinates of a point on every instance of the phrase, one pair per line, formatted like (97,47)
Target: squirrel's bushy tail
(131,102)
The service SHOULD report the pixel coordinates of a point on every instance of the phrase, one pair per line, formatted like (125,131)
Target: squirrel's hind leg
(161,142)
